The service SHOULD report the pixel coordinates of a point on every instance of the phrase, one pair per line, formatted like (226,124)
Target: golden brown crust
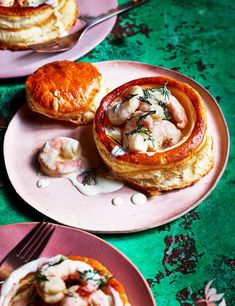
(168,156)
(96,265)
(165,169)
(65,90)
(23,11)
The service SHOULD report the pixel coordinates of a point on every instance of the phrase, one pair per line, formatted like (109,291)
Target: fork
(29,248)
(69,41)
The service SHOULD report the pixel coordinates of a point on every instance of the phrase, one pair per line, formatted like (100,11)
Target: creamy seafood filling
(65,282)
(146,119)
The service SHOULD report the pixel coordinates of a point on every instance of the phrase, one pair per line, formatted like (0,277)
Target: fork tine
(24,241)
(35,251)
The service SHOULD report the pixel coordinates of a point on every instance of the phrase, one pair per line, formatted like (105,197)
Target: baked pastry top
(66,90)
(61,280)
(152,133)
(26,22)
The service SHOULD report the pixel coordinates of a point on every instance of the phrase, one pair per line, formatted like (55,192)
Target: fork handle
(113,12)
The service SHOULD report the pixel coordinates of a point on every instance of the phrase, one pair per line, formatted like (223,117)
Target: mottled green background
(196,38)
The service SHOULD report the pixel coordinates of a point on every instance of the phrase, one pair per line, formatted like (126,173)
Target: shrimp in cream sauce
(122,109)
(142,118)
(65,282)
(60,156)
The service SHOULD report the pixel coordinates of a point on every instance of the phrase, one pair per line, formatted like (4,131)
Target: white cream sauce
(103,185)
(138,199)
(117,201)
(100,183)
(42,183)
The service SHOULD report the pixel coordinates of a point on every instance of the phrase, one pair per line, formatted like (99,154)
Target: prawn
(157,110)
(149,135)
(73,298)
(165,134)
(59,156)
(172,104)
(123,108)
(177,111)
(54,290)
(137,132)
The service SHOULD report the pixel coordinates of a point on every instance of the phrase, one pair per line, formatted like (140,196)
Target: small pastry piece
(26,22)
(66,90)
(61,280)
(152,133)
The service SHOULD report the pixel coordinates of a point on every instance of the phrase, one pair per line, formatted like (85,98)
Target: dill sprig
(100,279)
(165,110)
(146,96)
(40,277)
(89,176)
(144,115)
(138,129)
(52,264)
(164,91)
(125,99)
(141,129)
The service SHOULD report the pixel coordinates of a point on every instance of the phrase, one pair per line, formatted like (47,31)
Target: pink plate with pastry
(22,63)
(126,205)
(68,248)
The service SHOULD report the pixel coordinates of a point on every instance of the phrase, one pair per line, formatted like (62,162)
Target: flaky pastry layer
(66,90)
(22,26)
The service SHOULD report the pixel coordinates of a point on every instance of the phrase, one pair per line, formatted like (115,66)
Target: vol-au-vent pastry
(152,133)
(66,90)
(63,281)
(26,22)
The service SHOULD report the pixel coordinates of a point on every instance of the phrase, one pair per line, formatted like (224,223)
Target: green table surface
(196,38)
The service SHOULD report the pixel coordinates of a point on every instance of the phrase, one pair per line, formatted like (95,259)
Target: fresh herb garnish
(40,277)
(143,130)
(165,110)
(93,275)
(52,264)
(164,91)
(89,176)
(144,115)
(146,96)
(146,101)
(139,129)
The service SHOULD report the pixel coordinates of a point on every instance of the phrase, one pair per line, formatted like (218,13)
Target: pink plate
(60,201)
(68,241)
(22,63)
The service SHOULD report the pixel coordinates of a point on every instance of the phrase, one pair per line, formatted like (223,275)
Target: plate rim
(165,221)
